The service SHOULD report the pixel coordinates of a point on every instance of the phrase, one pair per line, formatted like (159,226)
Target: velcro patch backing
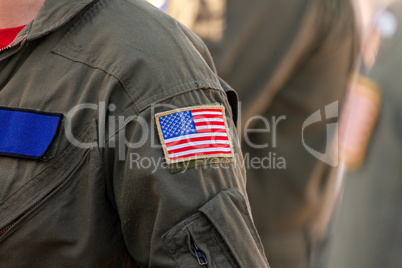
(27,133)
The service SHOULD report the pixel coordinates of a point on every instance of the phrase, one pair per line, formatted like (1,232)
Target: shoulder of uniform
(152,55)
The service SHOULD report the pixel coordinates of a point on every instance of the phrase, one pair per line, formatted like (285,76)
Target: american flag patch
(192,133)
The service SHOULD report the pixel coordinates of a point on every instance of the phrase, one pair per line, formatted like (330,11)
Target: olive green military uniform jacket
(90,203)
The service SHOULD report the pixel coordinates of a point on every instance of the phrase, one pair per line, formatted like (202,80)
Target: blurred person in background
(287,60)
(72,193)
(368,228)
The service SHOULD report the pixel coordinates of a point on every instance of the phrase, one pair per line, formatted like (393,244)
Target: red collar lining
(8,35)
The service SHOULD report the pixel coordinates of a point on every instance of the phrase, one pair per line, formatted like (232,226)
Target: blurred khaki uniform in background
(368,229)
(284,58)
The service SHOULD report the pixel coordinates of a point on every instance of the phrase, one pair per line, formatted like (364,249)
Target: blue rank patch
(27,133)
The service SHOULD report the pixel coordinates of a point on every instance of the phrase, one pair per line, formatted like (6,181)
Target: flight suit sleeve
(181,218)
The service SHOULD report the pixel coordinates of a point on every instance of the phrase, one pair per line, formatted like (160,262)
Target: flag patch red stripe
(213,138)
(190,147)
(206,153)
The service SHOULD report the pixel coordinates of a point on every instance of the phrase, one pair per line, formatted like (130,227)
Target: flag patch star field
(192,133)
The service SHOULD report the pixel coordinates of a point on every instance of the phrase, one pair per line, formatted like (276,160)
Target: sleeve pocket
(220,234)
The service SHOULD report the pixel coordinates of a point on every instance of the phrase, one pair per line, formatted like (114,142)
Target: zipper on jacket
(202,259)
(5,48)
(8,227)
(20,42)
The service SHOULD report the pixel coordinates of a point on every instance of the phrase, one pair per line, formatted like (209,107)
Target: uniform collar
(52,15)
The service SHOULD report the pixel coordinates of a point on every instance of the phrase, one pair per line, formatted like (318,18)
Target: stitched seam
(47,170)
(85,17)
(125,113)
(251,224)
(223,247)
(141,104)
(74,30)
(74,59)
(53,26)
(178,90)
(46,197)
(232,248)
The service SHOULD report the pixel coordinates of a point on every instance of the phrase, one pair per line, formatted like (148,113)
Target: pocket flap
(229,214)
(222,231)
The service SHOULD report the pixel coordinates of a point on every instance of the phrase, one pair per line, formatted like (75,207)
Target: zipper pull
(202,259)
